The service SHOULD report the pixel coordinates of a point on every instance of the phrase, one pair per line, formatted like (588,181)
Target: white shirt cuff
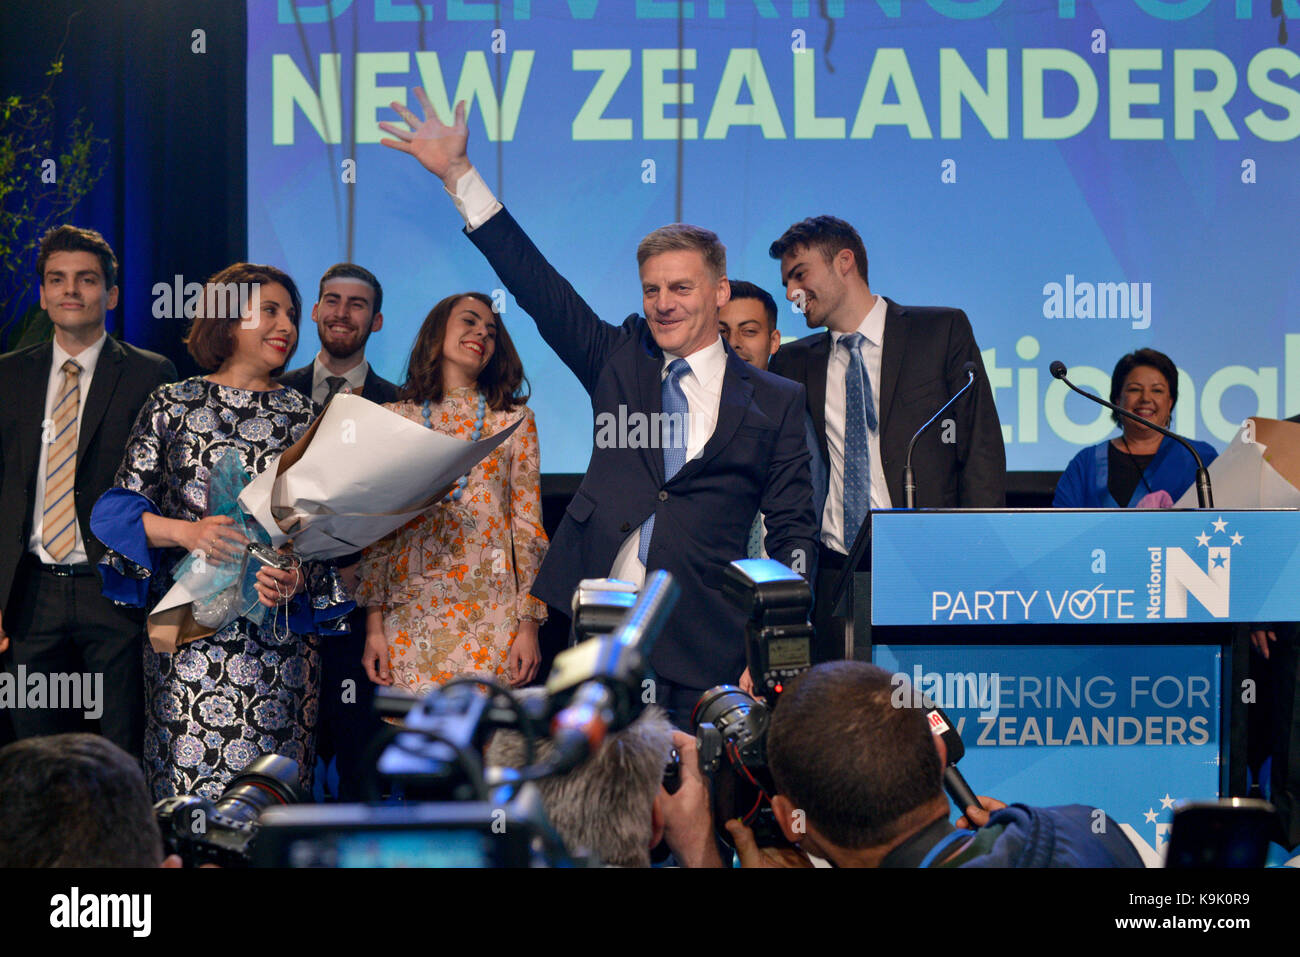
(474,200)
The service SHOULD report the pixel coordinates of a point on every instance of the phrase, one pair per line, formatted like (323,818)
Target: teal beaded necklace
(454,495)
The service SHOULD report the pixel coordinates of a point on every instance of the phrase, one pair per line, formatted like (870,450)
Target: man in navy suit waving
(732,435)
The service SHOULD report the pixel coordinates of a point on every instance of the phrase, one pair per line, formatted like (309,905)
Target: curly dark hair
(502,380)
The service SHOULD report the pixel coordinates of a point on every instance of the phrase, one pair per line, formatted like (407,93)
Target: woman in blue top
(1133,468)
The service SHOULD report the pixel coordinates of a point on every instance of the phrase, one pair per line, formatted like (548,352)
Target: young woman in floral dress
(447,593)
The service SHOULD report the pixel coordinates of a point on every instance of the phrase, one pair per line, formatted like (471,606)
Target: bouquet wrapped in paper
(357,474)
(1260,468)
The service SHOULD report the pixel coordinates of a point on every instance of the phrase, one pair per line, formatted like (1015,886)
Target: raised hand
(438,147)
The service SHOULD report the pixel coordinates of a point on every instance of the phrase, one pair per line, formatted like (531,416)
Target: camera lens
(271,779)
(721,707)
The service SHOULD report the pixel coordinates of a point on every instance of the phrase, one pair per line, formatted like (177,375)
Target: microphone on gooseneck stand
(909,480)
(1204,495)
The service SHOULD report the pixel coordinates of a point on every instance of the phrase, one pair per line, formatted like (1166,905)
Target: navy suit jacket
(756,457)
(375,388)
(922,355)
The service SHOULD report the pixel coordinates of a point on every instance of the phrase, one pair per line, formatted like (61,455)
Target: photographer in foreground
(611,805)
(859,783)
(76,800)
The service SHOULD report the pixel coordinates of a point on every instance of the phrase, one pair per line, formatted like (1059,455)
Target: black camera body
(223,832)
(730,725)
(731,737)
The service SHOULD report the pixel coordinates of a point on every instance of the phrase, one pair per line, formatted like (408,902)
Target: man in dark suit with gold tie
(68,411)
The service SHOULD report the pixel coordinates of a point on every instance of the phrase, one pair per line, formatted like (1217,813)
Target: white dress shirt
(873,330)
(88,358)
(356,379)
(474,199)
(703,388)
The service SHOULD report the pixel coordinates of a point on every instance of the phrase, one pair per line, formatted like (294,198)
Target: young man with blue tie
(873,378)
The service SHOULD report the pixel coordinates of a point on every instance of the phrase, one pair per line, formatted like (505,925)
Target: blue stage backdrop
(1082,178)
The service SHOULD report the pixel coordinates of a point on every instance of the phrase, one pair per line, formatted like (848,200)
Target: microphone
(1204,495)
(963,796)
(909,479)
(596,687)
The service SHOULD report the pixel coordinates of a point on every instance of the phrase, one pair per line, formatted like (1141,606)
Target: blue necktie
(859,419)
(673,439)
(755,547)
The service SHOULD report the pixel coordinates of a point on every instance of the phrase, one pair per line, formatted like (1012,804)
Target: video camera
(461,813)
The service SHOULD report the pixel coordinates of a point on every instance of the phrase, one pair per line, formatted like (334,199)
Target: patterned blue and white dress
(219,702)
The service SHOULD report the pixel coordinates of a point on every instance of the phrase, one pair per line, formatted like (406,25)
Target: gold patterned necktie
(59,524)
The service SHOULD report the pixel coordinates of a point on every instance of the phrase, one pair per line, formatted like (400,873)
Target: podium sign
(1027,626)
(1081,567)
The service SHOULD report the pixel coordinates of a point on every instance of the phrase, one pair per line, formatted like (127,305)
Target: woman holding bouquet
(217,703)
(447,593)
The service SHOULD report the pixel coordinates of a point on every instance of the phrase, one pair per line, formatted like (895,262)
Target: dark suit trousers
(678,701)
(348,722)
(65,625)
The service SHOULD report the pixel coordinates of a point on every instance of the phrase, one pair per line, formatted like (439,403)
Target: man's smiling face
(681,298)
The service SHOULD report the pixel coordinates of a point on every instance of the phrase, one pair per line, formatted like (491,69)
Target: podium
(1117,640)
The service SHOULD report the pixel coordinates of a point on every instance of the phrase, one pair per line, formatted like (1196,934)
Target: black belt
(61,571)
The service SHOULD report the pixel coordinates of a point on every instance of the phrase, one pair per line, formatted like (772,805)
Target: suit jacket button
(625,527)
(663,496)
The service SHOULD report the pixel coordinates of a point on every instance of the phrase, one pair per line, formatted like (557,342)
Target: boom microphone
(596,686)
(1204,495)
(909,479)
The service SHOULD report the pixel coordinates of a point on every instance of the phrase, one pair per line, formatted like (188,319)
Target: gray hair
(604,804)
(684,236)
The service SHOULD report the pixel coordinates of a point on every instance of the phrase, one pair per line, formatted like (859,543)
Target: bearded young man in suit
(687,510)
(69,408)
(873,378)
(349,304)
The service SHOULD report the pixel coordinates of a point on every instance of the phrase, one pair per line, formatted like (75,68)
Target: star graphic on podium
(1236,539)
(1166,801)
(1220,525)
(1150,815)
(1216,561)
(1203,540)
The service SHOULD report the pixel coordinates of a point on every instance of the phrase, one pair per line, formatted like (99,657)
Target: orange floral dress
(453,582)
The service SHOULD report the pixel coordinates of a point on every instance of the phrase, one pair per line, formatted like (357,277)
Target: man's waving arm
(566,322)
